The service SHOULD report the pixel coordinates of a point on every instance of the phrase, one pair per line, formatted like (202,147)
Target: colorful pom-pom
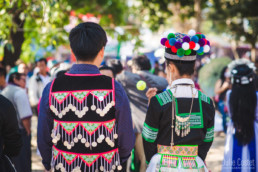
(191,45)
(195,39)
(178,45)
(208,43)
(200,50)
(180,52)
(186,39)
(206,48)
(191,32)
(197,47)
(167,44)
(171,35)
(185,46)
(188,52)
(200,53)
(163,41)
(201,42)
(173,49)
(198,33)
(205,40)
(172,41)
(199,36)
(203,36)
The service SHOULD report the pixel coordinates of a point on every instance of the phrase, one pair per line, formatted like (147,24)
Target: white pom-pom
(206,48)
(185,46)
(191,32)
(197,47)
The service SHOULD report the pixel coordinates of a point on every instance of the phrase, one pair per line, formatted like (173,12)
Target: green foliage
(238,18)
(44,21)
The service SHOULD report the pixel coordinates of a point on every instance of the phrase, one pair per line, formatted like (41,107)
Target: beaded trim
(149,133)
(67,161)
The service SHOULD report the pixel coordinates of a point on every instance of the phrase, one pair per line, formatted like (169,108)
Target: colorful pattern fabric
(209,135)
(187,151)
(149,133)
(164,97)
(76,101)
(72,161)
(169,161)
(91,133)
(189,162)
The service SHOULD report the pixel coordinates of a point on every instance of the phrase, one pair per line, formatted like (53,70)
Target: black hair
(242,104)
(42,60)
(2,72)
(86,40)
(116,65)
(15,75)
(141,63)
(104,67)
(183,67)
(222,74)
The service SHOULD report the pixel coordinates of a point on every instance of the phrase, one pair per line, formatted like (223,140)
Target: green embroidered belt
(179,150)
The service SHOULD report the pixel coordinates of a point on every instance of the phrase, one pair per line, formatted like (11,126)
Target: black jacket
(10,138)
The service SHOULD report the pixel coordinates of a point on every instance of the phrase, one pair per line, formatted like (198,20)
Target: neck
(43,73)
(87,62)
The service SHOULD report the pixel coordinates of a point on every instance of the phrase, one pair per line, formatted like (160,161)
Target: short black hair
(42,60)
(2,72)
(86,40)
(116,65)
(15,75)
(104,67)
(141,63)
(183,67)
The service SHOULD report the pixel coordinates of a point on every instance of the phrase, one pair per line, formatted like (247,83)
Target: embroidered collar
(182,81)
(84,69)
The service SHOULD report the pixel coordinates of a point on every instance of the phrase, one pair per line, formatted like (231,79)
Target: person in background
(23,68)
(10,137)
(179,127)
(37,83)
(221,88)
(241,150)
(2,79)
(16,93)
(116,65)
(108,71)
(84,116)
(138,100)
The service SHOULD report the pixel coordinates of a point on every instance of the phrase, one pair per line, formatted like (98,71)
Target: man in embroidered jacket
(179,126)
(85,120)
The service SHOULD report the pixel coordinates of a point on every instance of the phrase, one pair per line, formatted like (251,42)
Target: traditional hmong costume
(179,126)
(239,157)
(85,123)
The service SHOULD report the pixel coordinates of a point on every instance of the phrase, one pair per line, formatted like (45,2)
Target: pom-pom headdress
(184,47)
(242,71)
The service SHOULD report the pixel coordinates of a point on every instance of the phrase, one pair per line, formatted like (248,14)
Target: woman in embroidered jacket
(242,133)
(179,126)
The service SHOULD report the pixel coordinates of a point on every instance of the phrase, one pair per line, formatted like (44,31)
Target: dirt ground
(213,160)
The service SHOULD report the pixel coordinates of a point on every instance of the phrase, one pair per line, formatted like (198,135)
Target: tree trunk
(234,45)
(198,15)
(17,39)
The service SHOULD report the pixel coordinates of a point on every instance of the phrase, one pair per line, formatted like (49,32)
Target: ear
(101,52)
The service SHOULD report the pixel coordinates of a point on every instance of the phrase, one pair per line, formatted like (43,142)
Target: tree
(237,18)
(181,14)
(41,23)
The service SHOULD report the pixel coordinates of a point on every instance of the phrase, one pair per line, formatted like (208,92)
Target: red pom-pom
(205,40)
(167,44)
(198,33)
(192,44)
(173,49)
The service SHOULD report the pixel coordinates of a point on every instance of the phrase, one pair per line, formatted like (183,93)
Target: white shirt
(183,90)
(45,79)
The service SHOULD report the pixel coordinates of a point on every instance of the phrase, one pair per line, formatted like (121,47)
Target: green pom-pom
(199,36)
(171,35)
(180,52)
(188,52)
(200,53)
